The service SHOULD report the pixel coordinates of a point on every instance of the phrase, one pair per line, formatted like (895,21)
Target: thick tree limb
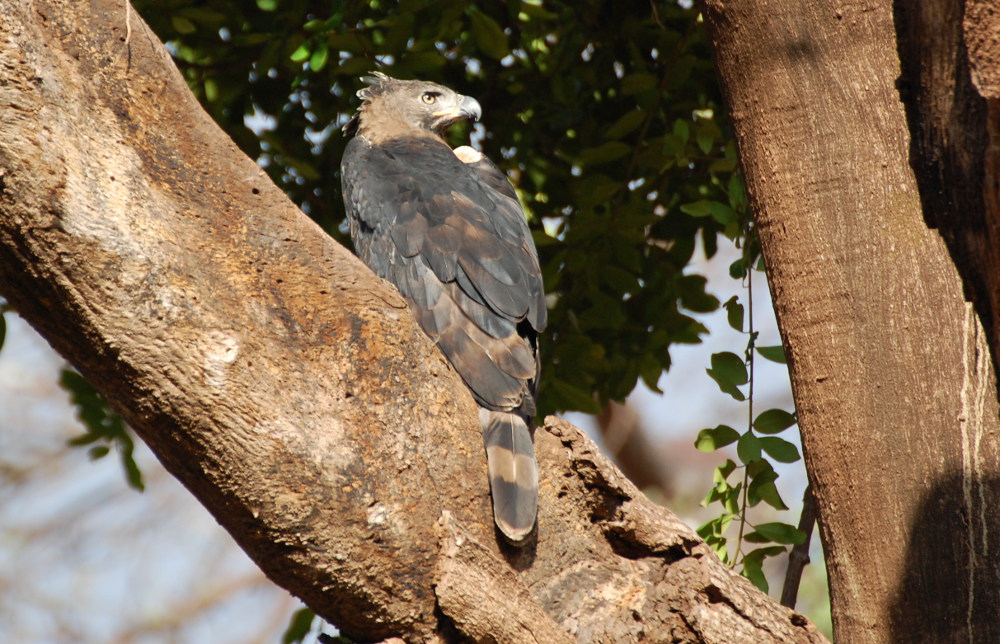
(895,391)
(289,389)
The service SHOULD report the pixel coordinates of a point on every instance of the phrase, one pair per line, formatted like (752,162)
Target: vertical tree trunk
(890,366)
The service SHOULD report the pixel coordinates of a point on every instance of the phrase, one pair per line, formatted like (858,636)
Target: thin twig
(744,505)
(799,556)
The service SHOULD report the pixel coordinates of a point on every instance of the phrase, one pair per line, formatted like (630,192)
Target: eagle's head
(391,105)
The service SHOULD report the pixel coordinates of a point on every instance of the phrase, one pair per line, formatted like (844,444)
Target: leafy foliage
(104,428)
(753,447)
(604,115)
(298,626)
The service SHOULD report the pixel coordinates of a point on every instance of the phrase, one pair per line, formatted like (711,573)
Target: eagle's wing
(488,171)
(453,239)
(460,251)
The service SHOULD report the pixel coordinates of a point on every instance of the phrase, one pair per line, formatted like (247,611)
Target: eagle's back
(458,248)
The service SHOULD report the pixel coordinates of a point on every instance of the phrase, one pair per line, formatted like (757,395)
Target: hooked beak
(470,107)
(467,108)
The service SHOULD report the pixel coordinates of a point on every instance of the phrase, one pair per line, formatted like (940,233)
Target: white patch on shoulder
(466,154)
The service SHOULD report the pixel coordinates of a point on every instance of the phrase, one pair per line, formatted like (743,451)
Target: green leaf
(101,424)
(682,130)
(779,449)
(761,473)
(753,569)
(319,57)
(133,475)
(597,188)
(626,124)
(734,313)
(638,83)
(731,499)
(760,467)
(574,398)
(713,496)
(727,387)
(781,533)
(773,421)
(182,25)
(619,279)
(764,489)
(298,626)
(715,528)
(721,491)
(691,289)
(267,5)
(738,269)
(302,53)
(728,370)
(204,15)
(736,191)
(721,212)
(775,353)
(698,208)
(718,546)
(605,153)
(211,90)
(748,448)
(713,532)
(490,38)
(650,370)
(712,439)
(731,366)
(753,565)
(721,473)
(84,439)
(705,140)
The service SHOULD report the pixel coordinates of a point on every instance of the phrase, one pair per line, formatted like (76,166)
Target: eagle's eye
(429,97)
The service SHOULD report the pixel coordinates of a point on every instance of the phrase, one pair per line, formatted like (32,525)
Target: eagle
(445,227)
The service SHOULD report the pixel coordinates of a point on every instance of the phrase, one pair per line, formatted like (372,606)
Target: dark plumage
(446,228)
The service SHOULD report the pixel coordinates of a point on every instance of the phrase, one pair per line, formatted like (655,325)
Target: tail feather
(510,456)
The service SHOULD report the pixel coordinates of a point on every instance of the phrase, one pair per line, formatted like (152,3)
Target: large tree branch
(895,391)
(288,388)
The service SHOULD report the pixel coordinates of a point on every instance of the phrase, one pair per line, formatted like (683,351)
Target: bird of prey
(446,228)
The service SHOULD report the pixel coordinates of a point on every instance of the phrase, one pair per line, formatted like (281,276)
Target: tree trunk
(890,366)
(289,389)
(950,86)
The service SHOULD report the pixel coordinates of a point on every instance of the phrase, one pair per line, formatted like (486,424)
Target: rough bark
(890,367)
(289,389)
(950,86)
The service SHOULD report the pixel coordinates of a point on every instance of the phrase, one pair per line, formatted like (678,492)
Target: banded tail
(510,457)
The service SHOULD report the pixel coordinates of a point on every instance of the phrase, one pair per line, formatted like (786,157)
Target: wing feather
(453,239)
